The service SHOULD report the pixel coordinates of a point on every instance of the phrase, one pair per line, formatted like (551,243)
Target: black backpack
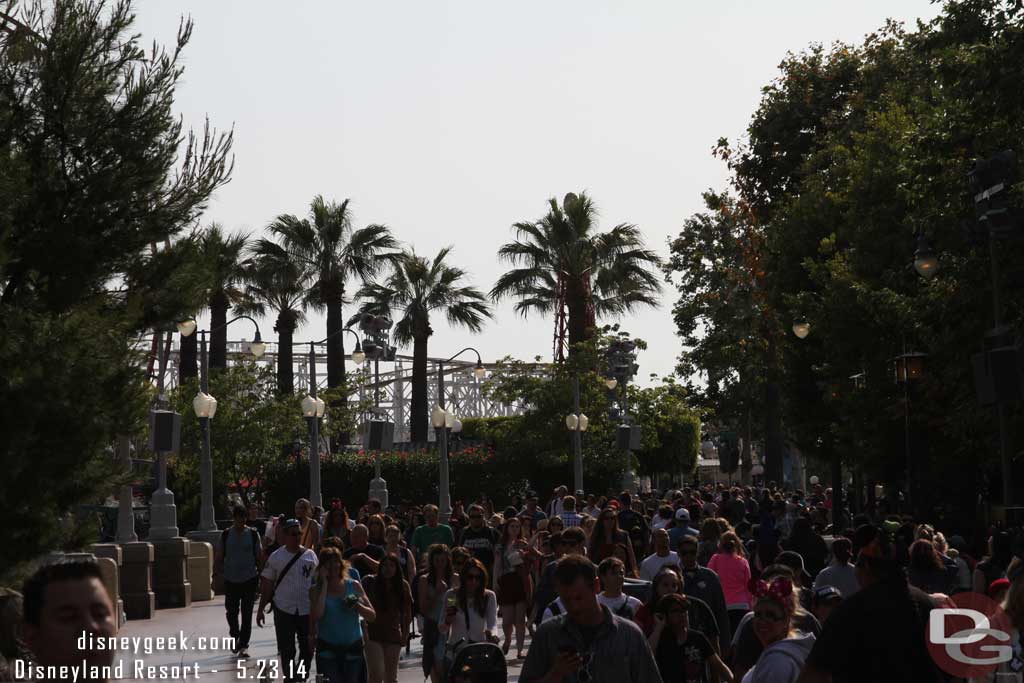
(255,543)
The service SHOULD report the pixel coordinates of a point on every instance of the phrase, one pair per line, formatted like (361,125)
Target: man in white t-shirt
(612,573)
(662,556)
(285,584)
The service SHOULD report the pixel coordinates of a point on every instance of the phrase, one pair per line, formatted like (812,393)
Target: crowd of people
(700,584)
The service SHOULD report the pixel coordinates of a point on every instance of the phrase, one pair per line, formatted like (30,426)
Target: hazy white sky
(450,120)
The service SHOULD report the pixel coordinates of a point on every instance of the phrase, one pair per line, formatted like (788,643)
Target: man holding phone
(587,644)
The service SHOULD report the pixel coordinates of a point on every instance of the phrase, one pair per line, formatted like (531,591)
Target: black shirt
(877,635)
(480,543)
(374,552)
(685,662)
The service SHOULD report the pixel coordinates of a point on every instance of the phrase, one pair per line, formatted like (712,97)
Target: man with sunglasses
(587,644)
(286,580)
(703,583)
(478,538)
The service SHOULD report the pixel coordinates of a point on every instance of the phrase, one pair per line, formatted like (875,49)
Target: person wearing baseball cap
(823,600)
(680,527)
(878,634)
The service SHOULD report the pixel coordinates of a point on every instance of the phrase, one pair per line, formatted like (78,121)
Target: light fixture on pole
(205,406)
(442,421)
(611,383)
(908,368)
(186,327)
(926,263)
(801,329)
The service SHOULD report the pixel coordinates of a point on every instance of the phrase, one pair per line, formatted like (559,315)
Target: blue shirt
(339,624)
(239,556)
(676,534)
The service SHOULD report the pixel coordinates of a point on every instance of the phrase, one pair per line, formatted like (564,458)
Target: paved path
(205,620)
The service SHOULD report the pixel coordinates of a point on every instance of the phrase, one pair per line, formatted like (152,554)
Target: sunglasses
(684,553)
(765,615)
(473,577)
(476,516)
(676,611)
(295,534)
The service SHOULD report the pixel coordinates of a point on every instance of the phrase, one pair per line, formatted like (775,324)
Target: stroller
(477,663)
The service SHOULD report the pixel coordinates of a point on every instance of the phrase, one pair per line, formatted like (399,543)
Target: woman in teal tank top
(336,605)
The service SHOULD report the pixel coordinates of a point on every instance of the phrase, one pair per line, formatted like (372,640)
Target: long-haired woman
(680,651)
(375,524)
(432,586)
(337,602)
(391,598)
(471,610)
(733,570)
(606,536)
(785,647)
(513,582)
(710,533)
(926,570)
(665,582)
(338,524)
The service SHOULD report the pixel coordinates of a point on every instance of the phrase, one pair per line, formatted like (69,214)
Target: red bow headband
(335,504)
(779,589)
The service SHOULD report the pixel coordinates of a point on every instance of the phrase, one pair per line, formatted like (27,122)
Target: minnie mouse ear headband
(779,589)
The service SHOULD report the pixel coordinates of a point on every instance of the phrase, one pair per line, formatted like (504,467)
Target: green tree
(276,281)
(95,167)
(564,266)
(415,289)
(670,430)
(335,253)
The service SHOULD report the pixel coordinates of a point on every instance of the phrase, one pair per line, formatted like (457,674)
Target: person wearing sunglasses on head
(684,655)
(785,646)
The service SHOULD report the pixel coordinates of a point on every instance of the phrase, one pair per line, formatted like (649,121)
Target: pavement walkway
(201,626)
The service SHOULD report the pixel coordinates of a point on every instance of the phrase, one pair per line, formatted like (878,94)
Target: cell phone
(452,601)
(351,600)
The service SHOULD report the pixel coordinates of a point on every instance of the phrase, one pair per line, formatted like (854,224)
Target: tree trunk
(218,331)
(285,328)
(419,415)
(335,346)
(188,353)
(576,302)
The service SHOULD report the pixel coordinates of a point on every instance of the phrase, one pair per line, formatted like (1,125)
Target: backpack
(255,543)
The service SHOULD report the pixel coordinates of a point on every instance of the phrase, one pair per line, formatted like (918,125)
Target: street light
(926,263)
(801,329)
(439,418)
(205,406)
(908,367)
(611,383)
(316,410)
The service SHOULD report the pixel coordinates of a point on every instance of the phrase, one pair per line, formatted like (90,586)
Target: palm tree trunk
(576,302)
(285,328)
(218,332)
(335,346)
(188,353)
(418,413)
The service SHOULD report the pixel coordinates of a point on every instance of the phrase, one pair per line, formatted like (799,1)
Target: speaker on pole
(164,431)
(379,435)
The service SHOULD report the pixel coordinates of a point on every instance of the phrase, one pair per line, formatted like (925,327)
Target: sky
(450,120)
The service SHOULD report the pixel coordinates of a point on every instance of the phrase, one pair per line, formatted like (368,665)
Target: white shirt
(615,604)
(652,563)
(478,625)
(292,595)
(841,576)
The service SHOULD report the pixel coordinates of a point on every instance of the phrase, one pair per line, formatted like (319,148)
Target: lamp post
(621,357)
(313,409)
(577,423)
(908,367)
(205,407)
(442,422)
(378,431)
(163,515)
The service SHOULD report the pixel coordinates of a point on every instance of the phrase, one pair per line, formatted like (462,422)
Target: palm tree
(564,266)
(276,282)
(333,252)
(225,257)
(416,288)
